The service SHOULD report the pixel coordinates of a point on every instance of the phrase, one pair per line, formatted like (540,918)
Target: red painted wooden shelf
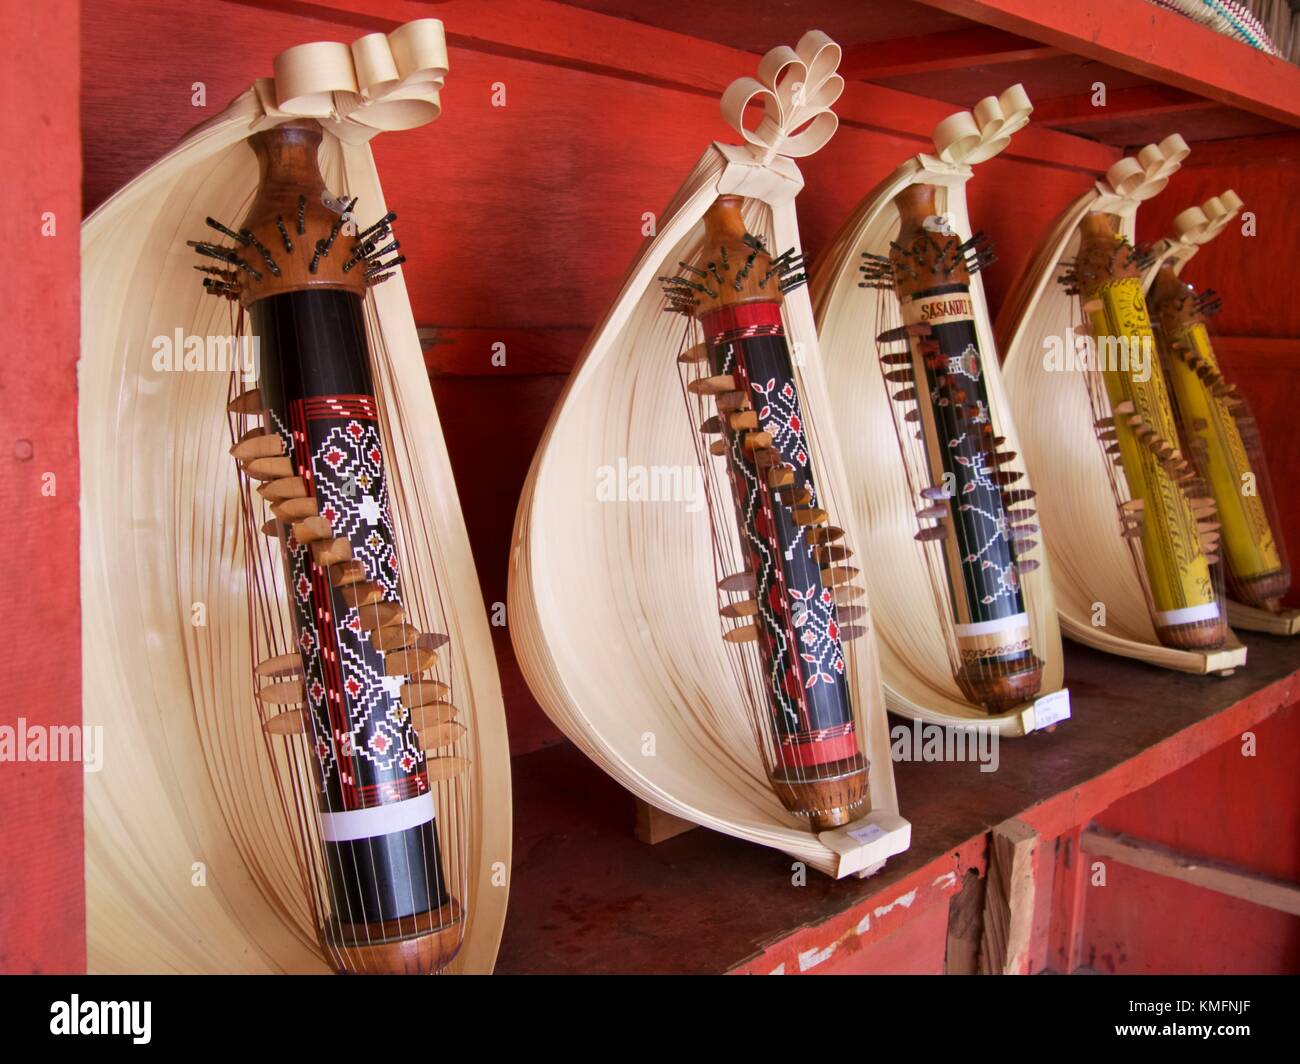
(588,897)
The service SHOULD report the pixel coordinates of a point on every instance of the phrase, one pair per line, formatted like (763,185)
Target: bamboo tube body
(1186,610)
(997,667)
(390,907)
(812,750)
(1257,571)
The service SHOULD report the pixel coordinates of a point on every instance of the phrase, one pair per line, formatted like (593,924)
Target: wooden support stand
(654,826)
(1009,899)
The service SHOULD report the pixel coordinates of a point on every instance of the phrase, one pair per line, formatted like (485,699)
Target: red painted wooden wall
(41,893)
(1229,807)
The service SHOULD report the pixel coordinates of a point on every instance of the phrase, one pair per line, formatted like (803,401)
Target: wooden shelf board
(961,51)
(588,897)
(1148,40)
(561,34)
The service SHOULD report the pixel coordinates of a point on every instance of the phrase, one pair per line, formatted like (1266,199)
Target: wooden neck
(1103,256)
(1173,301)
(736,270)
(924,258)
(291,191)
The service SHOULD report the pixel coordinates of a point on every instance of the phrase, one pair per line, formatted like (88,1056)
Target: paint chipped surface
(905,900)
(948,879)
(778,970)
(812,957)
(864,925)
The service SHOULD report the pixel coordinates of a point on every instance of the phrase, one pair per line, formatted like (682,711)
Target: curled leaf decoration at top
(377,83)
(1200,225)
(970,137)
(1137,178)
(797,87)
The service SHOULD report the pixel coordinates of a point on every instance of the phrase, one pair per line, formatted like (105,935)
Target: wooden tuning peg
(811,515)
(397,636)
(729,402)
(249,402)
(327,552)
(279,666)
(737,583)
(286,488)
(312,530)
(349,572)
(441,736)
(430,715)
(747,633)
(838,574)
(832,553)
(824,534)
(442,769)
(719,385)
(287,693)
(290,722)
(781,476)
(269,468)
(362,593)
(408,662)
(263,444)
(291,510)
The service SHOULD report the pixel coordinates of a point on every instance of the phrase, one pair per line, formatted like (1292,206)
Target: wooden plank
(560,35)
(1259,352)
(1064,809)
(878,920)
(489,350)
(704,901)
(1069,900)
(1009,900)
(1077,110)
(42,911)
(1258,889)
(654,826)
(951,50)
(1158,44)
(965,927)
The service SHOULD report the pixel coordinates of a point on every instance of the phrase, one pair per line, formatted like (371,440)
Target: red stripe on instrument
(736,321)
(802,752)
(358,406)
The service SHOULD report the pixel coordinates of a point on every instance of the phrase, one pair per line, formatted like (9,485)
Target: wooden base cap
(414,945)
(1264,592)
(1200,635)
(997,687)
(829,795)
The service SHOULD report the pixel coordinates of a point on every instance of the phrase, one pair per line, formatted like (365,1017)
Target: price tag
(867,833)
(1052,708)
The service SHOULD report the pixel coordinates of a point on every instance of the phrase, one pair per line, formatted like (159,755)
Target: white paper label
(1052,708)
(867,833)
